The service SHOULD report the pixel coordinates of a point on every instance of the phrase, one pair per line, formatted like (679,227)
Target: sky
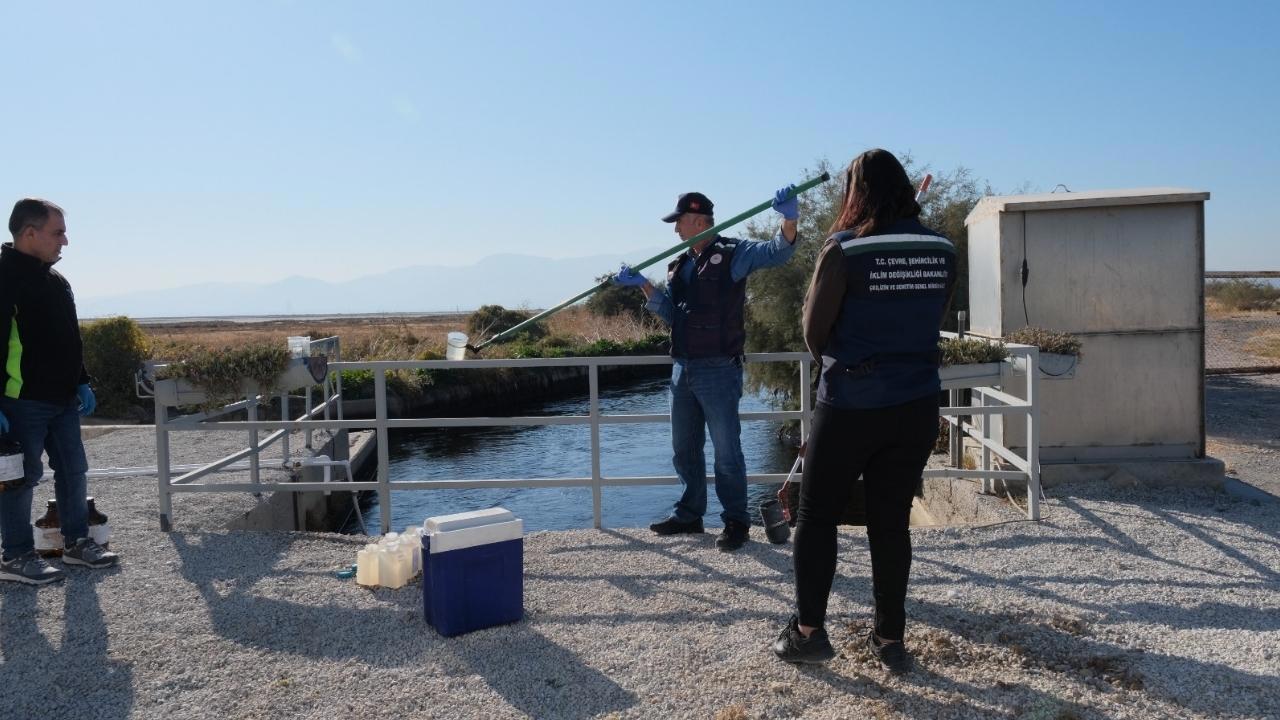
(195,142)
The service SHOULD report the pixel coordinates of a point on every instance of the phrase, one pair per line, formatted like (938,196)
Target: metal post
(284,439)
(593,374)
(162,465)
(1033,438)
(252,411)
(384,454)
(988,485)
(956,431)
(805,404)
(307,432)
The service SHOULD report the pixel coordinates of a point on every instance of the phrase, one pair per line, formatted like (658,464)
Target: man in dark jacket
(45,390)
(704,303)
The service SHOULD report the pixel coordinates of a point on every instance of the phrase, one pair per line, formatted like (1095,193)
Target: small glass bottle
(50,518)
(95,517)
(48,531)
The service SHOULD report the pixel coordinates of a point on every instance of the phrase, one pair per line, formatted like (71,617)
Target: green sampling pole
(709,232)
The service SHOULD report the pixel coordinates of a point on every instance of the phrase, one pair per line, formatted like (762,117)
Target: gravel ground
(1242,427)
(1122,603)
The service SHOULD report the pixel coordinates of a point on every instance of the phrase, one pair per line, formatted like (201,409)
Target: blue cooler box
(472,571)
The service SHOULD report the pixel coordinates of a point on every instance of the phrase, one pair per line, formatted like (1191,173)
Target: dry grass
(578,324)
(1265,344)
(381,338)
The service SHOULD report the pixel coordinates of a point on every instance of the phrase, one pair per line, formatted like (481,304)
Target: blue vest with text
(883,349)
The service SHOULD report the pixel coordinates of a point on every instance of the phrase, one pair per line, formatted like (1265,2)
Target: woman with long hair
(871,317)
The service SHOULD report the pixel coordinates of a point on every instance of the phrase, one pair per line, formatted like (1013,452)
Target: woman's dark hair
(877,193)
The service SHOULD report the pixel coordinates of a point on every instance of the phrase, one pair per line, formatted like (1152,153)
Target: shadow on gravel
(532,673)
(537,676)
(1242,408)
(77,679)
(1066,645)
(687,550)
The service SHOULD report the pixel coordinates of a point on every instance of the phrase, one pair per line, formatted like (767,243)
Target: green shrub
(221,374)
(114,350)
(490,320)
(357,384)
(1047,340)
(970,351)
(1241,294)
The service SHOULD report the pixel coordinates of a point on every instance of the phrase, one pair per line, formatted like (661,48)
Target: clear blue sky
(198,141)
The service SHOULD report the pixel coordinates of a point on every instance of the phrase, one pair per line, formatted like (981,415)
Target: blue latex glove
(630,278)
(4,424)
(87,401)
(790,208)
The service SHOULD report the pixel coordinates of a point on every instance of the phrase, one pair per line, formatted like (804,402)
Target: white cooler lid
(446,540)
(474,518)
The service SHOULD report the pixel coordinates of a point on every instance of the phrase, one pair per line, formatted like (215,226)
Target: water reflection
(564,451)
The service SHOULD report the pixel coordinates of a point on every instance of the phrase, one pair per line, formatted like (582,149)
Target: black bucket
(775,525)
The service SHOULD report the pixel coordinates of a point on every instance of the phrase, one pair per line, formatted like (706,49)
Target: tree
(490,320)
(775,297)
(613,300)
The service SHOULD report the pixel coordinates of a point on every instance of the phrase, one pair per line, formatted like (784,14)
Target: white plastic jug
(367,566)
(456,346)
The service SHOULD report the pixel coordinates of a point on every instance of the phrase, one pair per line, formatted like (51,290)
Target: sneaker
(892,655)
(793,647)
(30,569)
(674,526)
(734,536)
(88,553)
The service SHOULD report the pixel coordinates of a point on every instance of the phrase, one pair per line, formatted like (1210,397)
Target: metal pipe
(708,233)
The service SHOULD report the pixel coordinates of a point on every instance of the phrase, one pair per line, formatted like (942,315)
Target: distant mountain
(509,280)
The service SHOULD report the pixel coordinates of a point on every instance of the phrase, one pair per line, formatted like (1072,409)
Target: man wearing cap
(704,303)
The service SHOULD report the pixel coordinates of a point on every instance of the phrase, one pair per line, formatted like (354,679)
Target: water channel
(564,451)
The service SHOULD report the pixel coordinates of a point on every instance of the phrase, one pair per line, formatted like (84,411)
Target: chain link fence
(1242,322)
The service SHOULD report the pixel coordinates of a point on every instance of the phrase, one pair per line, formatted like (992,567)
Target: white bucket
(456,347)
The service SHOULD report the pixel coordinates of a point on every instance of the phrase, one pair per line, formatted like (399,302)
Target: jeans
(704,396)
(888,447)
(45,427)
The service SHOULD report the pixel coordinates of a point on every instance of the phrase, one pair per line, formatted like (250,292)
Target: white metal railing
(991,398)
(382,424)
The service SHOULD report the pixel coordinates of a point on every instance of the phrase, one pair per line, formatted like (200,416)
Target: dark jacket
(41,355)
(709,310)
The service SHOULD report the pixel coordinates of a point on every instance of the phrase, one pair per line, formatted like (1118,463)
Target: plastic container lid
(474,518)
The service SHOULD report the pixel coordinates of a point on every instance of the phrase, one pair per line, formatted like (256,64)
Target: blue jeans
(45,427)
(704,395)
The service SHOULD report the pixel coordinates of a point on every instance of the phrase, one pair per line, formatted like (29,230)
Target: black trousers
(888,447)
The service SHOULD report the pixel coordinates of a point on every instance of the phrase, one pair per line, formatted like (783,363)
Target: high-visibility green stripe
(13,388)
(916,245)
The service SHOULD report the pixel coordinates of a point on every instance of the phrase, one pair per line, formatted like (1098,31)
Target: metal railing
(382,424)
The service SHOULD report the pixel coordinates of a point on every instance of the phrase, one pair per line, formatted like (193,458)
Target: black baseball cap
(692,202)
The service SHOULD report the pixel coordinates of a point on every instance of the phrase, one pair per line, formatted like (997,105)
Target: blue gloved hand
(4,423)
(790,208)
(630,278)
(87,401)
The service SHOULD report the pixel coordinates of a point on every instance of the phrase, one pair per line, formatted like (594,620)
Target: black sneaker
(793,647)
(88,553)
(674,526)
(30,569)
(893,655)
(734,536)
